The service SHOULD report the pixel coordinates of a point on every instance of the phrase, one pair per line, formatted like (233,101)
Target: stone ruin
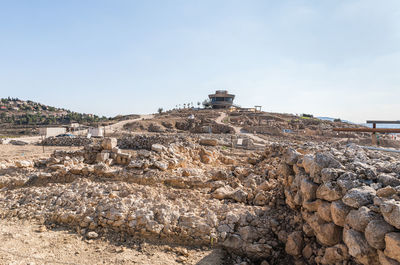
(289,204)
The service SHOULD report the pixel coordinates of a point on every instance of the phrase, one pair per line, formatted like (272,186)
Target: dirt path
(26,242)
(119,125)
(238,130)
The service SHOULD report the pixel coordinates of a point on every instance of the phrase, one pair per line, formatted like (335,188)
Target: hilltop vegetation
(18,112)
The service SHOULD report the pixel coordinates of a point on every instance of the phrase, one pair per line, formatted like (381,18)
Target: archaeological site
(202,186)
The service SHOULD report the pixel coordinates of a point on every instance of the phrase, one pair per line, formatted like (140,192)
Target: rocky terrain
(286,203)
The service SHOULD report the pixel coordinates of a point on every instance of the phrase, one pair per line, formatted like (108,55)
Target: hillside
(19,117)
(19,112)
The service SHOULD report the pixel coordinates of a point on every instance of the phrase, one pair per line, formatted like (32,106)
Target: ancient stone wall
(145,141)
(66,141)
(349,201)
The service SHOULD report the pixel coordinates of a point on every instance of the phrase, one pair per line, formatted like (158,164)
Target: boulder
(359,247)
(359,219)
(233,242)
(339,211)
(375,233)
(222,193)
(294,243)
(248,233)
(326,160)
(291,156)
(18,142)
(92,235)
(308,189)
(109,143)
(388,180)
(158,148)
(329,192)
(391,212)
(324,211)
(334,255)
(239,195)
(23,163)
(348,181)
(385,192)
(102,157)
(328,234)
(358,197)
(384,260)
(161,165)
(208,142)
(392,241)
(311,206)
(307,163)
(330,174)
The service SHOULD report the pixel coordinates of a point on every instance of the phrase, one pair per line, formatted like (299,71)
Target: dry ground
(27,242)
(19,152)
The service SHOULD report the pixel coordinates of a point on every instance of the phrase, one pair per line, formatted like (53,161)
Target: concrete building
(49,132)
(96,132)
(221,99)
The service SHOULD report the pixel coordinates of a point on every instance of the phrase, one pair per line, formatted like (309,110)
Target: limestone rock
(339,211)
(308,189)
(291,156)
(92,235)
(388,180)
(23,163)
(294,243)
(384,260)
(386,192)
(392,249)
(161,165)
(208,142)
(102,157)
(239,195)
(359,247)
(326,160)
(233,242)
(324,211)
(330,174)
(375,233)
(222,193)
(329,192)
(307,163)
(328,234)
(359,219)
(335,254)
(109,143)
(358,197)
(158,148)
(391,212)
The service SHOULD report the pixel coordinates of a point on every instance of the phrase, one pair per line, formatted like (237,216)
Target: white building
(96,132)
(49,132)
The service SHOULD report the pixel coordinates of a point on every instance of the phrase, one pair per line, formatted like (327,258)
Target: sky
(336,58)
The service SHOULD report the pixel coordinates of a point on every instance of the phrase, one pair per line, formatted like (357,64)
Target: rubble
(304,204)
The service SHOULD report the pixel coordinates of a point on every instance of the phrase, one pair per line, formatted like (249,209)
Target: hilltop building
(221,100)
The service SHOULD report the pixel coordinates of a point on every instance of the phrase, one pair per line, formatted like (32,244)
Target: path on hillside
(118,126)
(238,130)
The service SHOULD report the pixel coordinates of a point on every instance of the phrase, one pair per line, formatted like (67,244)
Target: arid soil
(11,152)
(29,242)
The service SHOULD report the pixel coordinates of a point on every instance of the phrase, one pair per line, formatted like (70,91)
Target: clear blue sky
(338,58)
